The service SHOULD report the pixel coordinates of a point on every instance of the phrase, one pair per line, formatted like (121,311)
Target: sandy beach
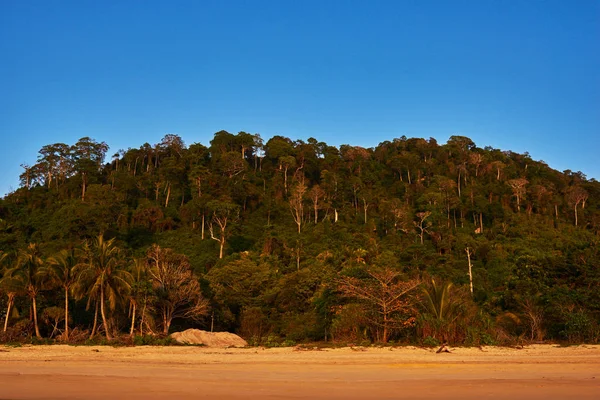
(186,372)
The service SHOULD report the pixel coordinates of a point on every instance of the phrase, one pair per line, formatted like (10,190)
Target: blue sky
(515,75)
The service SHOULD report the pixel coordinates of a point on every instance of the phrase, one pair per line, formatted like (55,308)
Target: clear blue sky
(515,75)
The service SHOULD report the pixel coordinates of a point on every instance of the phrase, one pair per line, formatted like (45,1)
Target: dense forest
(292,241)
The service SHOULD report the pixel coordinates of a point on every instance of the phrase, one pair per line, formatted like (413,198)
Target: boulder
(210,339)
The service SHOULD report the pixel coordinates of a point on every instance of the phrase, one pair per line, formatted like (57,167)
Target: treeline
(290,240)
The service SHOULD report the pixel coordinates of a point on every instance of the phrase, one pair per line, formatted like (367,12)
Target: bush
(579,327)
(20,332)
(431,342)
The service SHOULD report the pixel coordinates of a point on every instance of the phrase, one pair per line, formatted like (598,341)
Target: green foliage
(431,342)
(269,230)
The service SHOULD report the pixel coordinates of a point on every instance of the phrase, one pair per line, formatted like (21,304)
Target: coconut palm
(63,272)
(30,272)
(140,288)
(9,285)
(103,274)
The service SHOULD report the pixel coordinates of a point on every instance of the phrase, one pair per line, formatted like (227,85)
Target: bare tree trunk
(168,195)
(384,339)
(95,326)
(35,320)
(67,314)
(468,250)
(11,299)
(166,321)
(203,226)
(132,320)
(143,314)
(481,221)
(575,214)
(103,313)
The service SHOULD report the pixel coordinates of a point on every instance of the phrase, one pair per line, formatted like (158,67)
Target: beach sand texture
(189,372)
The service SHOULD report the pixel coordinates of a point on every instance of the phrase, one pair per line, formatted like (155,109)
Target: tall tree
(11,285)
(104,269)
(177,289)
(88,156)
(30,270)
(223,212)
(577,195)
(63,272)
(387,293)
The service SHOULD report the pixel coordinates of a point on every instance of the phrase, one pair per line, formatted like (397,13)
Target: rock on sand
(210,339)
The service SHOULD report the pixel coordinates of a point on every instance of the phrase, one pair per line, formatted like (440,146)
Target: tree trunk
(142,316)
(168,195)
(384,339)
(95,326)
(468,250)
(202,226)
(222,245)
(67,314)
(575,214)
(132,320)
(166,322)
(103,313)
(11,299)
(35,320)
(481,222)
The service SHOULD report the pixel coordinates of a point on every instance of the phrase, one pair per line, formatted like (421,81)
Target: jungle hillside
(289,241)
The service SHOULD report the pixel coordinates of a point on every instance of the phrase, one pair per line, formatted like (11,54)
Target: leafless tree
(577,195)
(297,202)
(518,187)
(316,194)
(421,225)
(177,289)
(387,294)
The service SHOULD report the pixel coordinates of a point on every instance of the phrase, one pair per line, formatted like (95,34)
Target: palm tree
(445,308)
(63,272)
(437,299)
(104,274)
(11,286)
(140,287)
(29,270)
